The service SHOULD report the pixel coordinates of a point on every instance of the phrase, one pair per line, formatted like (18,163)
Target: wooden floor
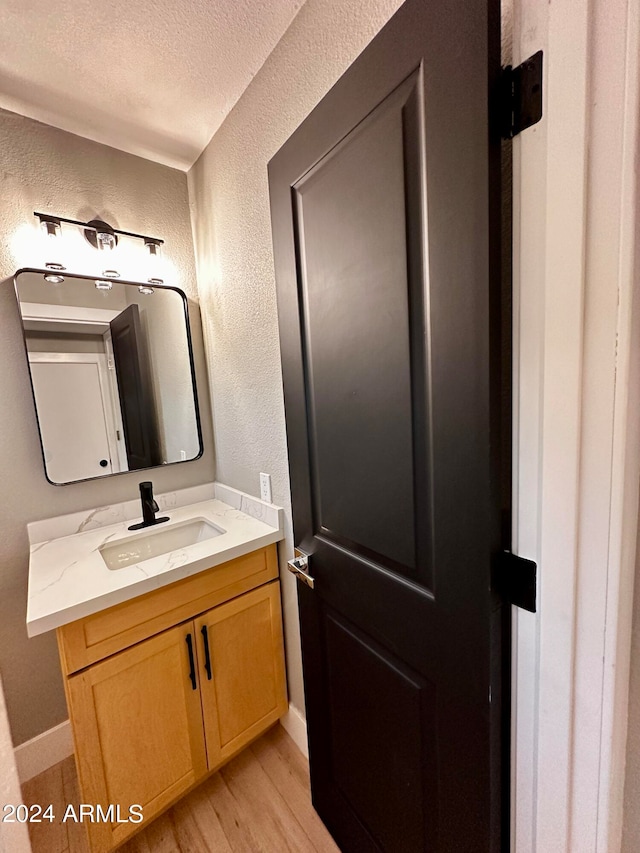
(258,803)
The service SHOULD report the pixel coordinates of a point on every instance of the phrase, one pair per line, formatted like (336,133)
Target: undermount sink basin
(157,541)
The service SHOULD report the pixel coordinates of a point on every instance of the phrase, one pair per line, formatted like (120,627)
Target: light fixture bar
(47,217)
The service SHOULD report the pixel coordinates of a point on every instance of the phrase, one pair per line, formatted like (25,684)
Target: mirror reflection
(112,374)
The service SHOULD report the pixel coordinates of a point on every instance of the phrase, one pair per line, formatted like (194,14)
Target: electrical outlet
(265,488)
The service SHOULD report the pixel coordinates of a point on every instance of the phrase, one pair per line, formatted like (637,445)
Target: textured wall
(230,211)
(46,169)
(153,77)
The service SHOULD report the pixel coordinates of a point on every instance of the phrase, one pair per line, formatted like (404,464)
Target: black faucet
(149,507)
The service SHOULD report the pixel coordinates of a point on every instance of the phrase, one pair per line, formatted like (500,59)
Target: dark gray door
(385,213)
(135,390)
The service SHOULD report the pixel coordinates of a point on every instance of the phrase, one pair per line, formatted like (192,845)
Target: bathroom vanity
(174,663)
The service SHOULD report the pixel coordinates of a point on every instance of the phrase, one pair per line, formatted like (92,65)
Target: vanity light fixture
(103,237)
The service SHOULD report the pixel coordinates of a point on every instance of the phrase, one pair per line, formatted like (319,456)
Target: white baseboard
(49,748)
(295,726)
(43,751)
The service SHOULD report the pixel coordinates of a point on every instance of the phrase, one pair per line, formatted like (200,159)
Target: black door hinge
(515,579)
(521,96)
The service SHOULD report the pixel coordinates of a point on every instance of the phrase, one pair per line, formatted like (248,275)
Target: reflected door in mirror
(131,364)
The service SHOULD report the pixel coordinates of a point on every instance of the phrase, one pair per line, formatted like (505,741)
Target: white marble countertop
(68,578)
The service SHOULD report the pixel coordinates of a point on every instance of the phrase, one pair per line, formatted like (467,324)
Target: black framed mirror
(112,374)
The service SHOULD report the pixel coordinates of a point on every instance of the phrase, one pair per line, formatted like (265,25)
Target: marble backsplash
(92,519)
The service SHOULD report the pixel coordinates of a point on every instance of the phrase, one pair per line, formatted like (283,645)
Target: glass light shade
(106,241)
(50,227)
(52,244)
(154,262)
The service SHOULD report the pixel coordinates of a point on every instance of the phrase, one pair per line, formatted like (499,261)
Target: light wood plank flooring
(258,803)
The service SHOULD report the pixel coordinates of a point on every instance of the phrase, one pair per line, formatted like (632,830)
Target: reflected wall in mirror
(112,374)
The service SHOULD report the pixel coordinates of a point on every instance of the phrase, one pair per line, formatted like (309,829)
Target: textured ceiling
(152,77)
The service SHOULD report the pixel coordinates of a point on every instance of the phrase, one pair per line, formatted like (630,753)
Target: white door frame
(44,317)
(114,392)
(576,423)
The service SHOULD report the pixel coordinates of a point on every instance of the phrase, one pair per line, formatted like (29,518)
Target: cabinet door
(244,687)
(138,730)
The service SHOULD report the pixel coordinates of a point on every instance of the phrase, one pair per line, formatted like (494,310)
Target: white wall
(49,170)
(230,210)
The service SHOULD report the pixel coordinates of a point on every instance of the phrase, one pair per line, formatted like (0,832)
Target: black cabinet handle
(207,658)
(192,664)
(103,463)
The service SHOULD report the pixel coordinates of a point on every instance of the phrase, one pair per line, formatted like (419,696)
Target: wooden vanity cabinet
(153,719)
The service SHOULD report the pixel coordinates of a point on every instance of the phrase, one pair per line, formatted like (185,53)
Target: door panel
(355,357)
(377,758)
(386,230)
